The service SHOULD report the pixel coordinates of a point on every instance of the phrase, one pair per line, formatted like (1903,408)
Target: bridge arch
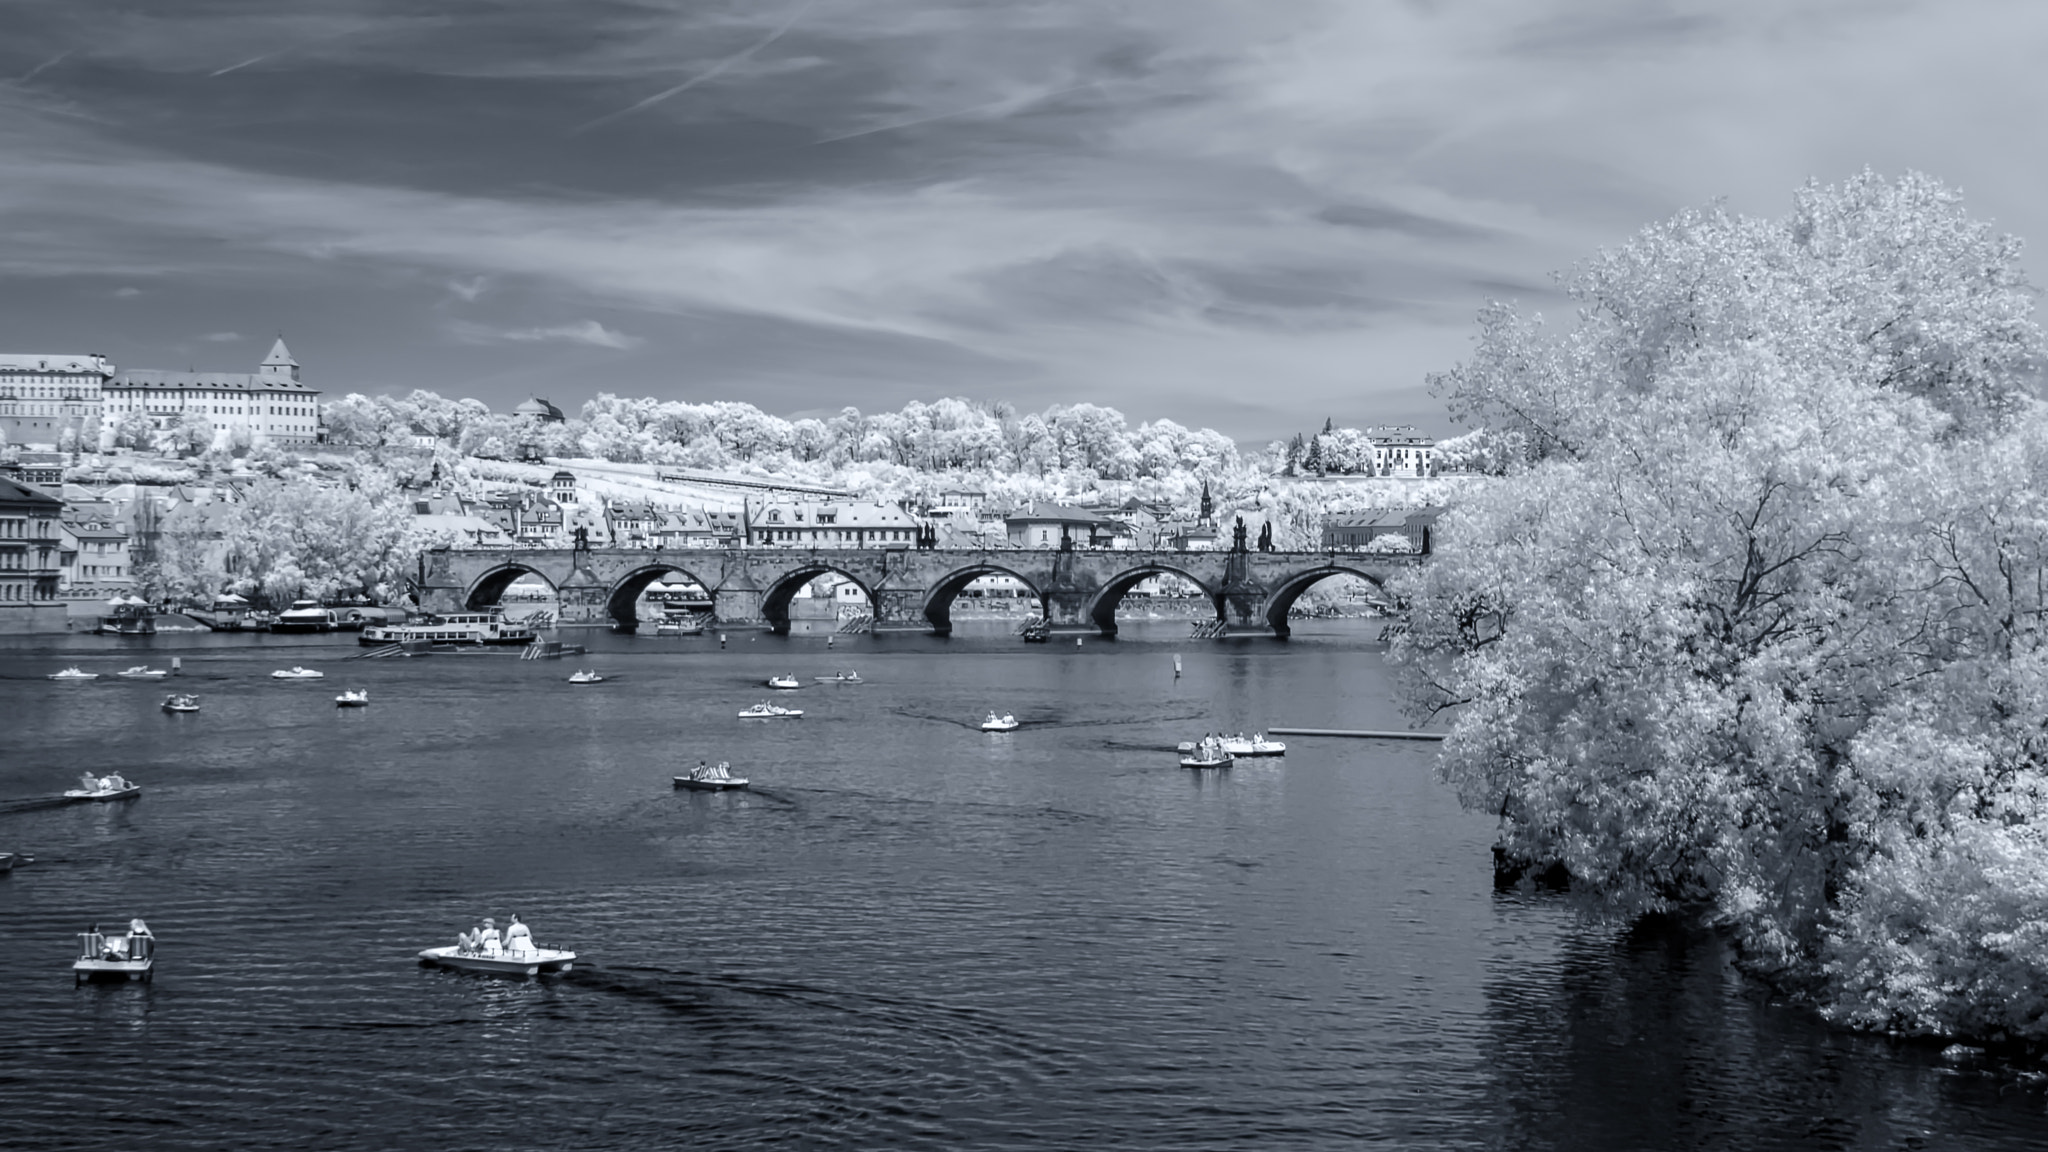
(775,601)
(1280,599)
(938,599)
(626,590)
(489,586)
(1102,605)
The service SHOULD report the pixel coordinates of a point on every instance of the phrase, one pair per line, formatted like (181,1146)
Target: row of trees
(945,435)
(1760,625)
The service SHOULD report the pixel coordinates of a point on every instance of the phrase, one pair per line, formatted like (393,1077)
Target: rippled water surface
(908,934)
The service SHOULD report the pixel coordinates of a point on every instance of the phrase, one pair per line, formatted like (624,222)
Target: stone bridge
(905,587)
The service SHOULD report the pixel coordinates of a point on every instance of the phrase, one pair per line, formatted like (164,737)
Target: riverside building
(45,395)
(268,406)
(31,544)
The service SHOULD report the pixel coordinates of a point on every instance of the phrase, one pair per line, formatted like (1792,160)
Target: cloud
(469,289)
(127,293)
(222,337)
(587,332)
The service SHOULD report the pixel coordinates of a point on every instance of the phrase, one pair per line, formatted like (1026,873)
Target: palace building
(42,396)
(271,404)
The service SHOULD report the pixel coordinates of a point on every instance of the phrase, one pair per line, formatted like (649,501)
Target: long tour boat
(452,628)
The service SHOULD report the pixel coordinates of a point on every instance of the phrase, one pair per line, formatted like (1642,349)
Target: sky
(1246,216)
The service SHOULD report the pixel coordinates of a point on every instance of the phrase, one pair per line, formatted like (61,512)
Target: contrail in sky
(1012,103)
(707,74)
(38,69)
(243,64)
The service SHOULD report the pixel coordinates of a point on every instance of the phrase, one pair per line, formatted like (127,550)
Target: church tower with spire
(279,365)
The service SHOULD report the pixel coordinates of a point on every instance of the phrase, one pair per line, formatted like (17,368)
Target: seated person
(88,783)
(518,940)
(487,942)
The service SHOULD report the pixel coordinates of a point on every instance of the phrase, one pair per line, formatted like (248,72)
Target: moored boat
(767,711)
(1003,723)
(131,956)
(142,672)
(1256,744)
(73,673)
(483,627)
(305,616)
(360,698)
(297,673)
(784,681)
(181,702)
(711,778)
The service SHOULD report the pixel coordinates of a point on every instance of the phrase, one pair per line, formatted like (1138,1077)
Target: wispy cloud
(39,69)
(469,289)
(585,332)
(127,293)
(223,337)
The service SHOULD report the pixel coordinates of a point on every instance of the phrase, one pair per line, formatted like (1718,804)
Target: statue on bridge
(1266,536)
(1237,536)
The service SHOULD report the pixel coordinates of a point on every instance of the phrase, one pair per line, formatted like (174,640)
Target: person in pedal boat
(518,940)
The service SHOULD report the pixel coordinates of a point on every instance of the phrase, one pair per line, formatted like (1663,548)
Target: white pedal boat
(73,673)
(105,788)
(129,957)
(358,699)
(181,702)
(585,678)
(711,778)
(767,711)
(841,678)
(784,682)
(142,672)
(1253,745)
(531,962)
(1003,723)
(297,673)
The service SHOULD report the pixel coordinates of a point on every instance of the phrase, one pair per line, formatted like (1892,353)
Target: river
(907,934)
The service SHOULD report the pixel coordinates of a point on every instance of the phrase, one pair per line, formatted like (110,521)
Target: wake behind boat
(297,673)
(142,672)
(73,673)
(767,711)
(711,778)
(91,787)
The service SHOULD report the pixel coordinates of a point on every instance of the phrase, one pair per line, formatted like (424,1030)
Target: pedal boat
(841,678)
(297,673)
(111,957)
(124,792)
(532,963)
(585,678)
(73,673)
(357,699)
(1254,745)
(142,672)
(767,711)
(181,703)
(711,778)
(784,682)
(1003,723)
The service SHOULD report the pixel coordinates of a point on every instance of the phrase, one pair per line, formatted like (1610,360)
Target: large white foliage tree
(1755,627)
